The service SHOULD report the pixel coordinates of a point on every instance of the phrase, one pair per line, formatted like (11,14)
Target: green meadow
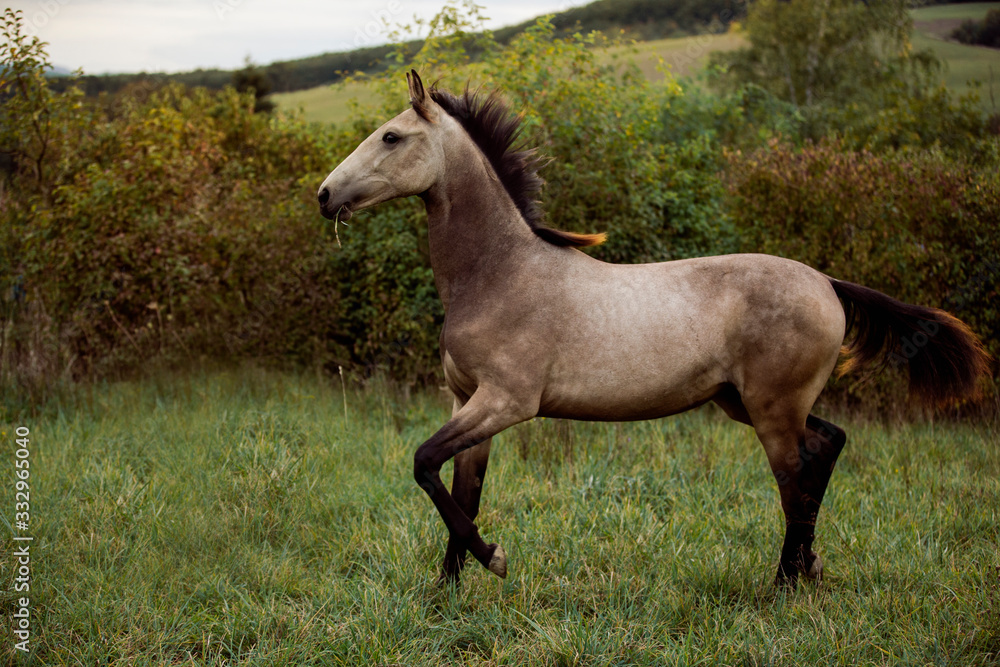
(956,11)
(257,518)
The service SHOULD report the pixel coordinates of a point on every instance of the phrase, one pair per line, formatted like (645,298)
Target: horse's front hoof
(498,561)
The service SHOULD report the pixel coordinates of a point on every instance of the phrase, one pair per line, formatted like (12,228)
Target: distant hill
(639,19)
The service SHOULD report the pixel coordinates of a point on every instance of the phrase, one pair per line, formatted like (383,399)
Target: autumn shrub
(913,224)
(177,234)
(167,226)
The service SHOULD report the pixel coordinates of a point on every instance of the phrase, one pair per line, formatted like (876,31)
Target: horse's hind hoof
(498,561)
(815,571)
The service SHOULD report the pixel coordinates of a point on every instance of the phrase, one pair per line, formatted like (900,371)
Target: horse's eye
(390,137)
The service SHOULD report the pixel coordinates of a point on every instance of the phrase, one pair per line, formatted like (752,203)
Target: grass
(959,11)
(326,104)
(683,56)
(242,518)
(964,64)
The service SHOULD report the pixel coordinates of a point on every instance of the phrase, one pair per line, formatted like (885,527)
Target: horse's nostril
(324,196)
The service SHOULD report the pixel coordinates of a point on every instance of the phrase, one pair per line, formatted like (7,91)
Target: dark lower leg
(467,487)
(802,492)
(824,442)
(796,553)
(460,527)
(475,423)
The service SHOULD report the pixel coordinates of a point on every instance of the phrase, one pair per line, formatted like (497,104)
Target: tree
(814,52)
(25,116)
(252,78)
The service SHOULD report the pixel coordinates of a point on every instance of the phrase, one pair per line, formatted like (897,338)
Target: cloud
(159,35)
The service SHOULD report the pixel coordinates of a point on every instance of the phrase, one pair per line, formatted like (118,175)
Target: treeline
(282,76)
(640,19)
(177,227)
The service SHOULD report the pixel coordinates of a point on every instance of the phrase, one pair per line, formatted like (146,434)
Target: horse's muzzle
(332,208)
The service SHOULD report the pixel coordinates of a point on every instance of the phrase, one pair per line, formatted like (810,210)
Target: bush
(176,233)
(912,224)
(170,226)
(980,33)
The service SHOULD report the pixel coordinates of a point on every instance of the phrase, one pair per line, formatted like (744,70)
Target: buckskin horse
(534,327)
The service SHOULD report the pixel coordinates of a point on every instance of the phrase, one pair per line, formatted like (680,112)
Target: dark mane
(493,128)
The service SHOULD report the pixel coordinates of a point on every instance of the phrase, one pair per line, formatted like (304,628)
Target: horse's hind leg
(823,443)
(802,459)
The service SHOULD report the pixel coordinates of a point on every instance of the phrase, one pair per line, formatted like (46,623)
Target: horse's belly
(614,394)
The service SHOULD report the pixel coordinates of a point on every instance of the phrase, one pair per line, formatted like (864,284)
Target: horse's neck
(476,233)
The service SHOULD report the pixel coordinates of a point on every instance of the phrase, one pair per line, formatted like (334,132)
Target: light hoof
(498,561)
(816,569)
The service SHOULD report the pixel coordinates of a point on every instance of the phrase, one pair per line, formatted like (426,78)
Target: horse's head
(403,157)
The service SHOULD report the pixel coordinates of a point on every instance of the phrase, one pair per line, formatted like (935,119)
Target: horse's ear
(419,98)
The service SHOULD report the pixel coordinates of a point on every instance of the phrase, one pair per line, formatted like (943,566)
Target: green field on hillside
(251,518)
(326,104)
(685,56)
(965,64)
(959,11)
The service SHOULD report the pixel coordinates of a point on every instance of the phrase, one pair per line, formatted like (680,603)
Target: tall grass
(243,518)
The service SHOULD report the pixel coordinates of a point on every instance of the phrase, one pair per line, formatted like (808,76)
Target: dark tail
(945,358)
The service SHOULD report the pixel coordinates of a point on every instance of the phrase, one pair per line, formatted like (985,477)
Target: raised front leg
(485,414)
(466,489)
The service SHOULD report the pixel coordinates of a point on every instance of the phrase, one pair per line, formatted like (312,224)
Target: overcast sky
(175,35)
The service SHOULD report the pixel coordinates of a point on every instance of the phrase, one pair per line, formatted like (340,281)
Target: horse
(535,327)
